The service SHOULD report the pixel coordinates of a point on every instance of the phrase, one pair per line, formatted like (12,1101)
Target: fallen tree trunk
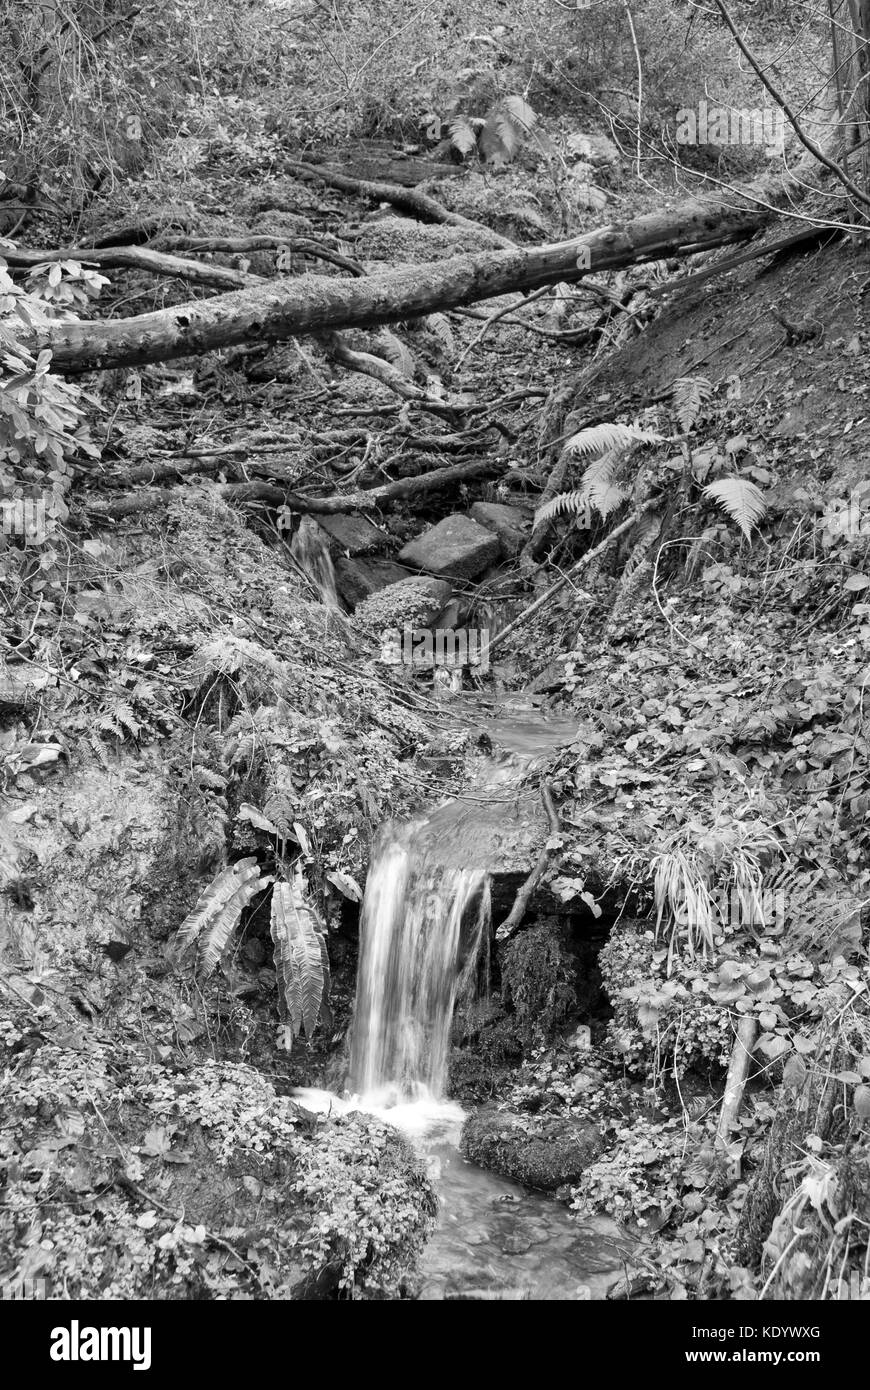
(283,309)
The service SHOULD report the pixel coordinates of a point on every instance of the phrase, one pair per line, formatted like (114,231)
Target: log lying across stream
(288,308)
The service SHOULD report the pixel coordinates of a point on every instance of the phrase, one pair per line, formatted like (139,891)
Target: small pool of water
(493,1240)
(496,1240)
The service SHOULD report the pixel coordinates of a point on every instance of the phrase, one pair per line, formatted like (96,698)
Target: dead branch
(275,496)
(527,888)
(139,258)
(407,198)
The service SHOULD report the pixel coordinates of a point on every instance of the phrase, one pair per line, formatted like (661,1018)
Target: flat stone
(415,600)
(515,1243)
(357,580)
(355,535)
(457,548)
(508,523)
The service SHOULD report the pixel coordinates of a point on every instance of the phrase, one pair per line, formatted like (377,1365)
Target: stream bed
(493,1239)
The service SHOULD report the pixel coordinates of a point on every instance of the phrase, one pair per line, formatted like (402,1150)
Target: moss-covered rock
(197,1182)
(538,1151)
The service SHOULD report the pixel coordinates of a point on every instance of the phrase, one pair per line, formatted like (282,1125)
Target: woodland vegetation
(282,285)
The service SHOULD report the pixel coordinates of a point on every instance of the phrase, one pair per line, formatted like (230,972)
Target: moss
(542,1152)
(539,985)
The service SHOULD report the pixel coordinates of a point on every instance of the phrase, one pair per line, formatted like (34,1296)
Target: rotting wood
(275,496)
(407,198)
(282,309)
(138,258)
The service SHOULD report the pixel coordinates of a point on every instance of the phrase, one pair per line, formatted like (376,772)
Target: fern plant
(298,936)
(740,499)
(210,924)
(599,488)
(690,394)
(497,137)
(301,960)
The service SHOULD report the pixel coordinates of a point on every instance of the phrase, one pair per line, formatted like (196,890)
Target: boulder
(508,523)
(456,548)
(414,601)
(543,1152)
(357,580)
(354,535)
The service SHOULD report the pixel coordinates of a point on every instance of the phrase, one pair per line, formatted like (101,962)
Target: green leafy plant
(497,137)
(301,960)
(215,916)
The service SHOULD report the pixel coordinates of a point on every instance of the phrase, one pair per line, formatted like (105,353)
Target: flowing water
(425,932)
(420,921)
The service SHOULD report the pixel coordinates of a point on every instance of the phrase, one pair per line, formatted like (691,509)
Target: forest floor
(186,679)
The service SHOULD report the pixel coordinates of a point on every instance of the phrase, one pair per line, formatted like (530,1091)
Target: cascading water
(423,926)
(424,936)
(310,550)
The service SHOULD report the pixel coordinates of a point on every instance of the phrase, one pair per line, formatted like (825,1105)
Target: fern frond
(566,503)
(440,326)
(396,352)
(690,393)
(301,961)
(742,500)
(463,137)
(606,438)
(99,748)
(213,919)
(650,526)
(520,114)
(600,486)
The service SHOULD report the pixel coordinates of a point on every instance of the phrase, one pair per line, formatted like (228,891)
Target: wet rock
(508,523)
(354,535)
(357,580)
(514,1243)
(476,1235)
(415,601)
(542,1152)
(457,548)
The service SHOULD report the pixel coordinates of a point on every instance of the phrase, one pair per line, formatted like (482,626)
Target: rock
(414,601)
(357,580)
(456,548)
(514,1243)
(355,535)
(508,523)
(542,1152)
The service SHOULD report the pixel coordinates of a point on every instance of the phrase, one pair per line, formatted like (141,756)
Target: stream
(424,940)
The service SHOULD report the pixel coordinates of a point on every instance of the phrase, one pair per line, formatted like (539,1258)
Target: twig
(124,1182)
(521,901)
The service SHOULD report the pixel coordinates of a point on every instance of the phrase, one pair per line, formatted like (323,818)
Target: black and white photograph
(434,671)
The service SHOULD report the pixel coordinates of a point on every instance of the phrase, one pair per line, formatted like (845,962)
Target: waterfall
(310,549)
(422,928)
